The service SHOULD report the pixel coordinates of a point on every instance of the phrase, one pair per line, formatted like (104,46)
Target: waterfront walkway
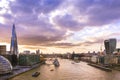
(18,70)
(100,67)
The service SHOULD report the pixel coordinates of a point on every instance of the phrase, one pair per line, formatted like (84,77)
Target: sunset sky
(60,25)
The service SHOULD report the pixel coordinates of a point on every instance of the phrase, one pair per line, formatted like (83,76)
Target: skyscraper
(14,45)
(110,45)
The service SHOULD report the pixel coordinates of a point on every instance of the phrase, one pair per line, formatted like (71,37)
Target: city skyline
(60,26)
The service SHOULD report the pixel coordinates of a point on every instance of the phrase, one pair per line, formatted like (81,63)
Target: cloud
(4,32)
(37,6)
(99,12)
(67,22)
(63,45)
(32,21)
(83,13)
(49,23)
(40,40)
(33,47)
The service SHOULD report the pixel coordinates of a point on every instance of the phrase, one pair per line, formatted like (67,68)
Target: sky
(60,26)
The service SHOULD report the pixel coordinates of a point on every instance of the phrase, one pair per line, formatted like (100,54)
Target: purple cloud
(68,22)
(33,25)
(99,12)
(37,6)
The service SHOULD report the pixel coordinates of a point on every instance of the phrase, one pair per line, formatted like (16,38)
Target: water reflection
(69,71)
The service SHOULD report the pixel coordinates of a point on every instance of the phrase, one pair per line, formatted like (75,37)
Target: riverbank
(19,70)
(100,67)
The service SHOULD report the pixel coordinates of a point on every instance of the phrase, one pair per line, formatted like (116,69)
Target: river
(69,71)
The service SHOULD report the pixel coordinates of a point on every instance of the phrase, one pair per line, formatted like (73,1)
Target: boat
(77,61)
(52,70)
(35,74)
(56,63)
(72,63)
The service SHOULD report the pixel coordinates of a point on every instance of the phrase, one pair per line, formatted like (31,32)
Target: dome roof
(5,66)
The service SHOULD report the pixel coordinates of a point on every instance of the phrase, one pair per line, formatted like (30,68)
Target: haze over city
(60,25)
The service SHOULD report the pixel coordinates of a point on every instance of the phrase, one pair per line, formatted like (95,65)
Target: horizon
(60,26)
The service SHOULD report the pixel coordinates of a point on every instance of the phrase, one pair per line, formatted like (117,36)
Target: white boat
(56,62)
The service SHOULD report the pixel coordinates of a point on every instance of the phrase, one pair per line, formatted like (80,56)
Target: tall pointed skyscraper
(14,45)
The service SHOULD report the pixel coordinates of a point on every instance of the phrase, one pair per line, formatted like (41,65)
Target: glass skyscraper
(110,45)
(14,45)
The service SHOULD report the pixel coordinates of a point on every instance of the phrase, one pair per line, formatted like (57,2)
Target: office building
(2,49)
(5,66)
(14,45)
(26,52)
(110,46)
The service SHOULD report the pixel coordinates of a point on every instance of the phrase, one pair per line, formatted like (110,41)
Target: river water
(69,71)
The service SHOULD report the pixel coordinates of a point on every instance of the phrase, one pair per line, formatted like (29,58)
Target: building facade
(14,45)
(110,46)
(2,49)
